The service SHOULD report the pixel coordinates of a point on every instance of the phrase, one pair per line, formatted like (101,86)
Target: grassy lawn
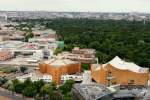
(7,69)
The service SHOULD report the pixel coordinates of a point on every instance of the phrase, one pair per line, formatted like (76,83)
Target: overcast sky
(78,5)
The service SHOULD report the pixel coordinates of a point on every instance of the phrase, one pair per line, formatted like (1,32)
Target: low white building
(35,77)
(38,40)
(47,78)
(71,77)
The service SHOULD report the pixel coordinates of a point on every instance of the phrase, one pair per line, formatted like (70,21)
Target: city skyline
(76,5)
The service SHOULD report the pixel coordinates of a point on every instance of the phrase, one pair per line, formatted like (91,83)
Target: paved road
(5,93)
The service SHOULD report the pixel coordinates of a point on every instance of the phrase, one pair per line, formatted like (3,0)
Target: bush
(8,85)
(66,87)
(19,87)
(39,84)
(23,69)
(3,80)
(30,91)
(85,66)
(10,70)
(58,50)
(28,36)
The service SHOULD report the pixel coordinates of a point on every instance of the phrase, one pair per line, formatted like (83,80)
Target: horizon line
(75,11)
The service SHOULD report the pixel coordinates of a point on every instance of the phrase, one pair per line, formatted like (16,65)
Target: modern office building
(120,72)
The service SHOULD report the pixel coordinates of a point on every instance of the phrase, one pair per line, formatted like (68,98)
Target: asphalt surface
(11,96)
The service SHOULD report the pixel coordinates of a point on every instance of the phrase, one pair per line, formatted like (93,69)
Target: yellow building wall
(122,77)
(56,72)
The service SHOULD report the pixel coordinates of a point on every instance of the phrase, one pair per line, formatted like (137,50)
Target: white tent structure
(123,65)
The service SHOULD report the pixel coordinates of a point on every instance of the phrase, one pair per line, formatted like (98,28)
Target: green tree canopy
(23,69)
(67,86)
(19,87)
(30,91)
(28,36)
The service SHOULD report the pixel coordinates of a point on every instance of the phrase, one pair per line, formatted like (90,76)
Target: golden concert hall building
(120,72)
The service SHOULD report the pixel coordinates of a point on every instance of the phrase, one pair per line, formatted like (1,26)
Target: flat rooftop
(91,91)
(44,31)
(11,44)
(59,62)
(96,91)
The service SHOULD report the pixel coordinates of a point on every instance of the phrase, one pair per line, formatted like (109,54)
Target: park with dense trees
(126,39)
(129,40)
